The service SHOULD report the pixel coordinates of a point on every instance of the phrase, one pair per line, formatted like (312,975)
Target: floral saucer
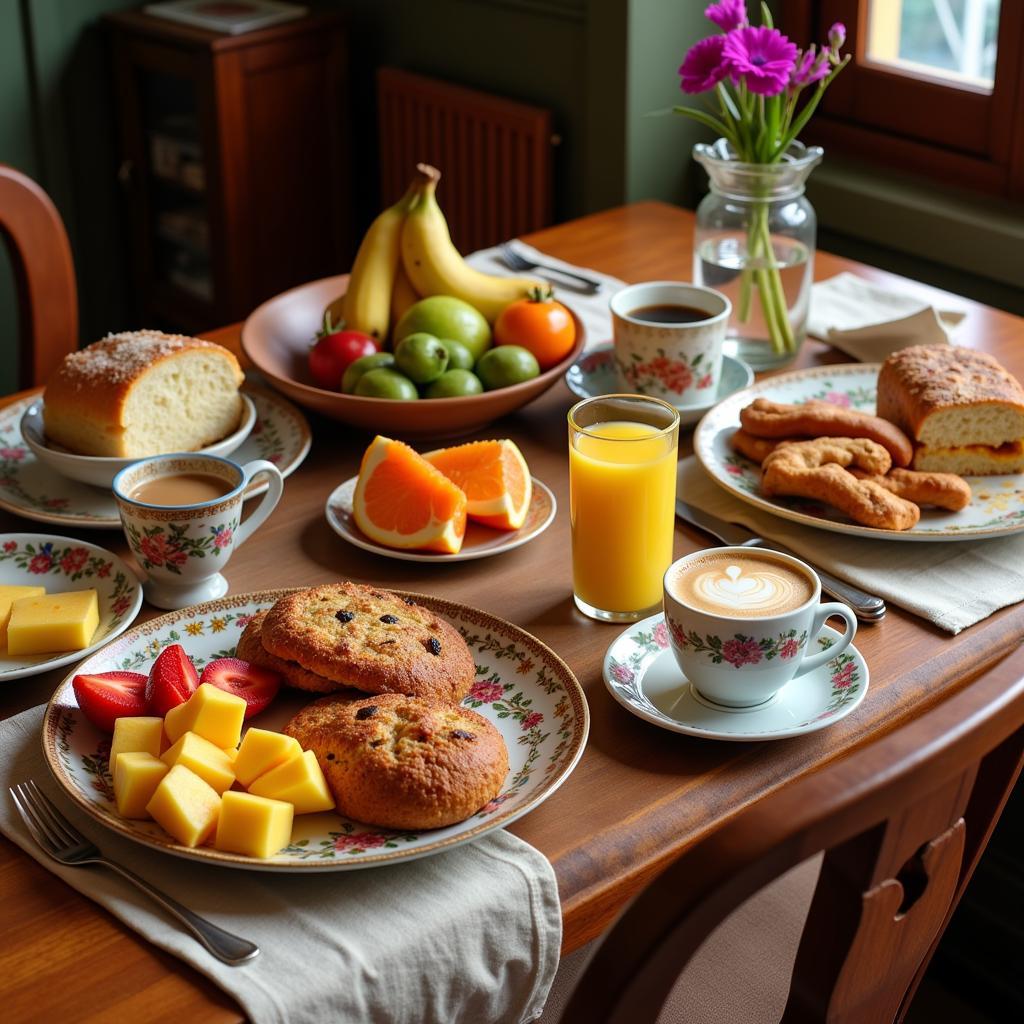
(594,374)
(34,490)
(60,564)
(641,673)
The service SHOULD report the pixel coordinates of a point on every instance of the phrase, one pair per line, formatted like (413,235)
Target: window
(935,87)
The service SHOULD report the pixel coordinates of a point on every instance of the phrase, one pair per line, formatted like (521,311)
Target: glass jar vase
(754,241)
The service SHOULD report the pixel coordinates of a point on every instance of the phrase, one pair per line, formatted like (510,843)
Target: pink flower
(621,674)
(104,570)
(486,692)
(661,634)
(222,538)
(175,556)
(14,454)
(10,545)
(763,57)
(532,719)
(243,620)
(809,68)
(838,398)
(727,14)
(677,377)
(154,549)
(735,470)
(40,564)
(844,677)
(705,381)
(74,560)
(789,649)
(836,36)
(359,841)
(741,651)
(703,66)
(121,605)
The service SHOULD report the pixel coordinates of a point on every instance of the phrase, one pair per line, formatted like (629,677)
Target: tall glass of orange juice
(622,492)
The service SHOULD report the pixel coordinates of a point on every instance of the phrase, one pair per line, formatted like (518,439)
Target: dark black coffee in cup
(669,313)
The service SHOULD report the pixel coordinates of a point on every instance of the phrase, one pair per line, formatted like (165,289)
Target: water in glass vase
(721,262)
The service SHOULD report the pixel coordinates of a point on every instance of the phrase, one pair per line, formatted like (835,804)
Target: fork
(515,260)
(66,845)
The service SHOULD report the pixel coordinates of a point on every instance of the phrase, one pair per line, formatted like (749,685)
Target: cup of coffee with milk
(743,623)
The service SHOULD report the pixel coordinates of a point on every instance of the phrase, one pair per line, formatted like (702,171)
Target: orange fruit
(494,477)
(402,501)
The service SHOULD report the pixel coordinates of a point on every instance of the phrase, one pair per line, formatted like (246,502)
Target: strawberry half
(172,680)
(106,696)
(255,685)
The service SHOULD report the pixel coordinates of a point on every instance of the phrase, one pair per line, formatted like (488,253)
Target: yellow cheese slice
(8,595)
(53,622)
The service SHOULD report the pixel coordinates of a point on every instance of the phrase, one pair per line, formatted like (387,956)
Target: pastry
(943,490)
(371,639)
(754,448)
(403,762)
(964,410)
(815,469)
(143,393)
(764,418)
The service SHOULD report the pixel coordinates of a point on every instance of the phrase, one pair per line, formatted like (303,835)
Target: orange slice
(495,478)
(401,501)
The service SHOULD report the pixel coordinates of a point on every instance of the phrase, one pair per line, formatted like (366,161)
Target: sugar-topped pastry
(143,393)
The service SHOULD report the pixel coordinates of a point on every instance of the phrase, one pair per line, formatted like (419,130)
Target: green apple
(444,316)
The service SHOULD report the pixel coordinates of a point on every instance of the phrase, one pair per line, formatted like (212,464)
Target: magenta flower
(727,14)
(532,719)
(741,651)
(789,649)
(14,454)
(359,841)
(809,68)
(763,57)
(837,36)
(844,677)
(485,692)
(703,66)
(661,634)
(621,673)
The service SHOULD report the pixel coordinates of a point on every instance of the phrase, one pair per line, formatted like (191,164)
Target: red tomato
(540,325)
(335,348)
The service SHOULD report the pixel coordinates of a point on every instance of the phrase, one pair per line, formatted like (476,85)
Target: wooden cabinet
(233,160)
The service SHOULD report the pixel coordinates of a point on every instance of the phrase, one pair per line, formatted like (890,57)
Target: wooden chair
(902,822)
(44,275)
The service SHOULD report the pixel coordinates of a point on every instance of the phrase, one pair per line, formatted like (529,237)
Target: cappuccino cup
(741,623)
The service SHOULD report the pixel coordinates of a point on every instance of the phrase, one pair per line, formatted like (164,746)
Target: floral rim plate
(521,686)
(480,541)
(641,673)
(31,489)
(594,374)
(60,564)
(997,505)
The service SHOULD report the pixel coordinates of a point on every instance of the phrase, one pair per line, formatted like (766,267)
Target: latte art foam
(747,586)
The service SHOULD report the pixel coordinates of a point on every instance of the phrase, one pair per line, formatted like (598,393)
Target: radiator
(494,155)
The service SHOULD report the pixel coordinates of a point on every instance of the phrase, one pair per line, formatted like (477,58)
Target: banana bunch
(407,254)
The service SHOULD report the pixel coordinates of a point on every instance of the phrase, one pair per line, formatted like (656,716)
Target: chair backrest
(903,821)
(44,275)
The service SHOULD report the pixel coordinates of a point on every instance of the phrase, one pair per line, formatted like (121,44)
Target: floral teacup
(181,547)
(678,362)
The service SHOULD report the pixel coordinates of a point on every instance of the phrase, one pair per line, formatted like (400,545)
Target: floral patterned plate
(33,490)
(480,541)
(594,374)
(521,686)
(641,673)
(996,508)
(61,564)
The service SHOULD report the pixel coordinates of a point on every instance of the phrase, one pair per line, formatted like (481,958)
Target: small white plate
(480,541)
(641,673)
(99,471)
(60,564)
(594,374)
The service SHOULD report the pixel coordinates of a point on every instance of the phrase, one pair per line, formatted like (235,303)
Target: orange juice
(622,491)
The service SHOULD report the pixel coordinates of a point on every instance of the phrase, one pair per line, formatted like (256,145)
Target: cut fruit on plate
(402,501)
(494,477)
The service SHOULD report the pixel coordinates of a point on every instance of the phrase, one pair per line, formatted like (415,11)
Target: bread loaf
(143,393)
(962,408)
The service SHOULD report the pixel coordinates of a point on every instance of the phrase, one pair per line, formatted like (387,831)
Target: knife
(866,607)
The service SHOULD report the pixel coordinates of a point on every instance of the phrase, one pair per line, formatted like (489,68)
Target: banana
(434,265)
(367,303)
(403,295)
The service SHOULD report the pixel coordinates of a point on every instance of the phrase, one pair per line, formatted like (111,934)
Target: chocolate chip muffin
(403,762)
(371,639)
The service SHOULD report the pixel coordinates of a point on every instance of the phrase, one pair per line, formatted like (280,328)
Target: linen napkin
(591,309)
(471,934)
(870,322)
(953,585)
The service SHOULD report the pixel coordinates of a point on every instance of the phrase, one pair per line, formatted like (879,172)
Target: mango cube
(214,714)
(53,622)
(298,781)
(8,595)
(253,825)
(186,806)
(136,777)
(232,753)
(210,763)
(262,750)
(133,735)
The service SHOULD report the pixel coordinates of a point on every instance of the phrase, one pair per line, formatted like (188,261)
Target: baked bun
(964,410)
(403,762)
(143,393)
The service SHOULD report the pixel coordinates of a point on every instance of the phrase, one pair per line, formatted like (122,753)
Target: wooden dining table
(639,796)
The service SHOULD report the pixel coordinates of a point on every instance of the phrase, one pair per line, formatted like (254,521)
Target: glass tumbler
(622,491)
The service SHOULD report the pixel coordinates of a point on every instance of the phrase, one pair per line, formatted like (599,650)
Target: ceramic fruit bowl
(101,470)
(277,336)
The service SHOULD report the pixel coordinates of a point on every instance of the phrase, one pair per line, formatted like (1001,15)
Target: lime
(376,361)
(454,384)
(385,383)
(421,357)
(445,316)
(459,356)
(506,365)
